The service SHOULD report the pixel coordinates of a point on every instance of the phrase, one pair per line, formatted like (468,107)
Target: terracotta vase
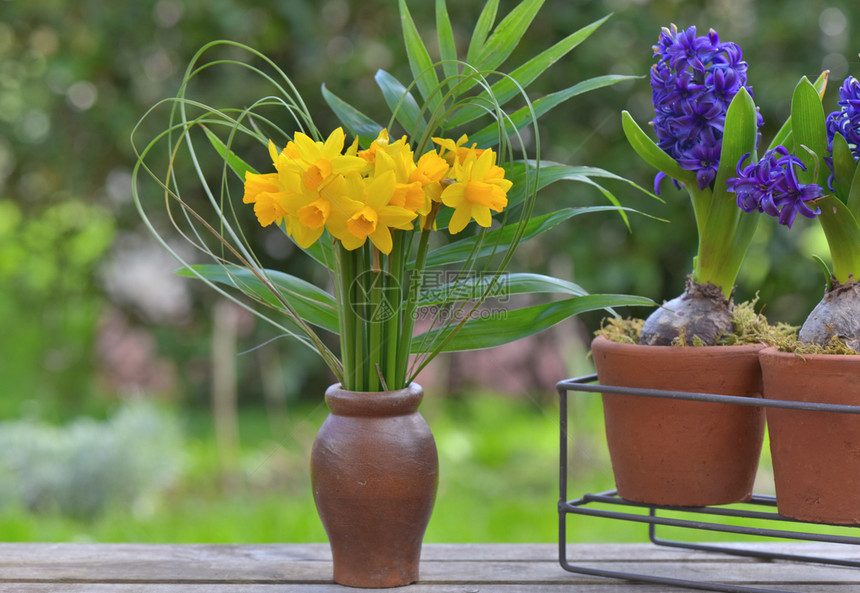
(681,452)
(374,472)
(816,455)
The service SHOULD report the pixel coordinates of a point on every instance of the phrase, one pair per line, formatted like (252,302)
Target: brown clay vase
(374,472)
(816,455)
(681,452)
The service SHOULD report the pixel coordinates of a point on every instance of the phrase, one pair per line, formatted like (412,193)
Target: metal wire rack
(726,519)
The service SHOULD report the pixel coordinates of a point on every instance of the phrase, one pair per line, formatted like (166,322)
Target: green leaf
(465,249)
(422,66)
(500,286)
(510,325)
(238,166)
(507,35)
(401,102)
(482,29)
(358,124)
(447,44)
(725,232)
(825,270)
(310,303)
(808,129)
(783,136)
(844,167)
(653,154)
(739,138)
(511,86)
(489,135)
(853,201)
(842,231)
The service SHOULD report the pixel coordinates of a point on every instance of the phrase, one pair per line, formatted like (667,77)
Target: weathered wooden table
(445,568)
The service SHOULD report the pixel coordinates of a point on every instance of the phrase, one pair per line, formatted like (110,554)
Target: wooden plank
(609,586)
(445,568)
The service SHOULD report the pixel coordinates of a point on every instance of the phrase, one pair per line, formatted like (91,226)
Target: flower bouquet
(453,191)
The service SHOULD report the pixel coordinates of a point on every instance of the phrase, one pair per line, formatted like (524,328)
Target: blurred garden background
(136,406)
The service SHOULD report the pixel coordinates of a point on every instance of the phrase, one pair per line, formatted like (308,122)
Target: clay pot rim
(687,349)
(774,353)
(374,403)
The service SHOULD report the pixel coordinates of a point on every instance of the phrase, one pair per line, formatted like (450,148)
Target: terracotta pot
(681,452)
(374,471)
(816,455)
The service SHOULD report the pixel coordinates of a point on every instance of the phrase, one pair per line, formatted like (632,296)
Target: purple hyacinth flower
(846,121)
(771,186)
(692,84)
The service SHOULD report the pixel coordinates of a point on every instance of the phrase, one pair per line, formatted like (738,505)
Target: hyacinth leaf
(783,135)
(808,130)
(482,29)
(853,201)
(423,69)
(510,325)
(497,286)
(653,154)
(309,302)
(492,241)
(403,105)
(825,269)
(355,121)
(447,44)
(843,237)
(724,233)
(489,136)
(741,128)
(506,35)
(511,86)
(844,167)
(239,166)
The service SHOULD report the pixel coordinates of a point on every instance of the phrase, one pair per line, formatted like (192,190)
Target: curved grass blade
(489,135)
(499,286)
(464,249)
(511,86)
(311,303)
(510,325)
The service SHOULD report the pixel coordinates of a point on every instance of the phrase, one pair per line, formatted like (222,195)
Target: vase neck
(376,403)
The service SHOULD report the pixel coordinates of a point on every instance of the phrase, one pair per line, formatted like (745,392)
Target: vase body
(374,473)
(681,452)
(816,455)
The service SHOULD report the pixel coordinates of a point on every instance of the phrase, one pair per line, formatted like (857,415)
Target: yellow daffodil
(369,213)
(318,162)
(456,152)
(430,170)
(480,187)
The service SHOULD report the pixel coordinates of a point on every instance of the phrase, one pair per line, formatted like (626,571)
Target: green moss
(749,327)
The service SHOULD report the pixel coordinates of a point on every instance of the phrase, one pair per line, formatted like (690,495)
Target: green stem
(345,317)
(374,324)
(397,274)
(411,305)
(358,305)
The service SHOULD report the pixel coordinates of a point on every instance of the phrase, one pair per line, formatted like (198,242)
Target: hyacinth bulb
(836,315)
(702,312)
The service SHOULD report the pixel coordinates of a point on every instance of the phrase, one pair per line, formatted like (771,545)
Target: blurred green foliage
(74,79)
